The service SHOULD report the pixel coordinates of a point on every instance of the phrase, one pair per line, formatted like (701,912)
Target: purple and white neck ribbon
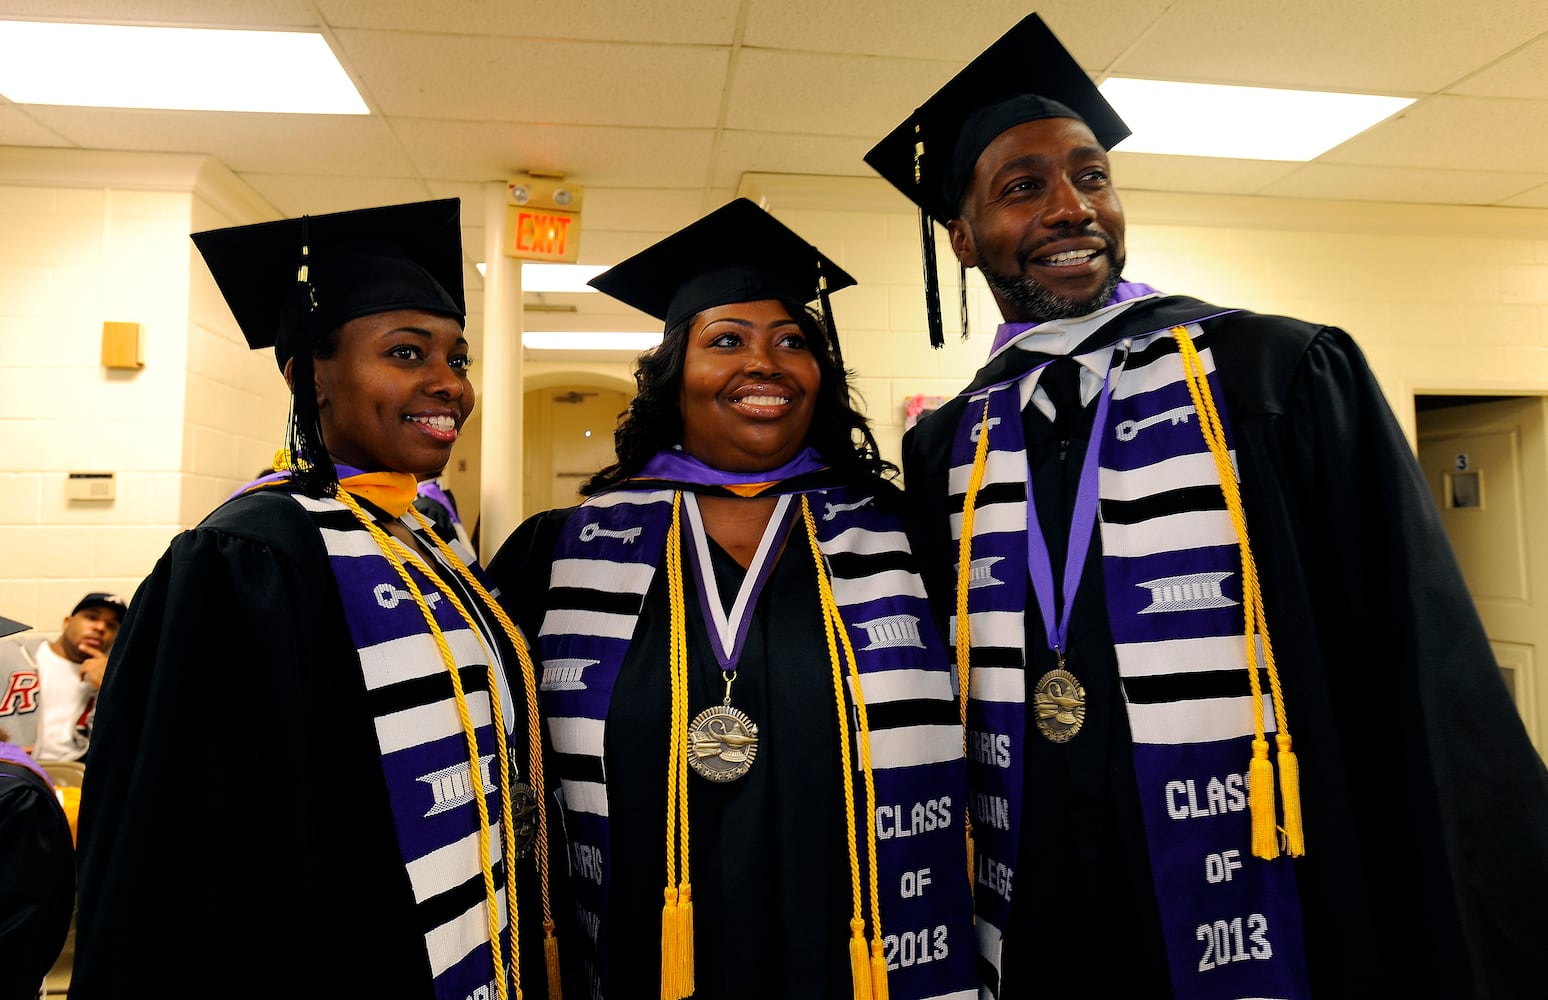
(731,626)
(1056,617)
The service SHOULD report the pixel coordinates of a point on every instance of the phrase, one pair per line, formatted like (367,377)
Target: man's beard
(1037,304)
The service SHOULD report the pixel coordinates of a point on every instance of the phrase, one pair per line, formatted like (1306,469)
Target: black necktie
(1061,381)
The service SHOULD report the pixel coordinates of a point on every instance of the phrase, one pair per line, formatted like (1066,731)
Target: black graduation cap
(11,627)
(1025,76)
(737,253)
(337,267)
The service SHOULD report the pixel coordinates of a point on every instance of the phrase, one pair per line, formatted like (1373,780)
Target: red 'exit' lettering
(538,232)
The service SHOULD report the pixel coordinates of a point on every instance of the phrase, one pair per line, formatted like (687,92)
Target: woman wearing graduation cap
(318,742)
(754,730)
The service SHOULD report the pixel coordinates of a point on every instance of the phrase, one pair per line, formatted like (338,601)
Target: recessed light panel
(1251,123)
(177,69)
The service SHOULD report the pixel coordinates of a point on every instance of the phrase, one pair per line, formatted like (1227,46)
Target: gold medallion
(1061,705)
(722,743)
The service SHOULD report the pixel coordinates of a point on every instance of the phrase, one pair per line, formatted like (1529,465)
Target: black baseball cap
(100,600)
(737,253)
(337,267)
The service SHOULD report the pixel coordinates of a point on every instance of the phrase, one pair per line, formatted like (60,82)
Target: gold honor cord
(964,636)
(1260,783)
(534,744)
(677,910)
(397,553)
(872,986)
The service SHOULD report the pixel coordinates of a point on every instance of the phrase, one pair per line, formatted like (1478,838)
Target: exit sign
(537,234)
(543,219)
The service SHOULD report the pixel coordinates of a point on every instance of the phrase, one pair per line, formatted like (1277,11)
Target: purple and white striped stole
(423,747)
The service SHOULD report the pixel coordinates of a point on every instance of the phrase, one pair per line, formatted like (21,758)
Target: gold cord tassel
(677,944)
(1260,799)
(859,960)
(1290,793)
(551,960)
(878,971)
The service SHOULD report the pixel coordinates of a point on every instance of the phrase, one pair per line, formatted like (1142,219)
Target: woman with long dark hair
(317,757)
(758,749)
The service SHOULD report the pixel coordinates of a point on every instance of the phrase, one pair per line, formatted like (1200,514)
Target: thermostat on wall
(91,486)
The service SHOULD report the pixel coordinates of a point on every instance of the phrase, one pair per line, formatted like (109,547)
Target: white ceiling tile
(647,210)
(316,144)
(295,194)
(1437,187)
(702,22)
(1415,47)
(1154,172)
(768,152)
(472,194)
(19,128)
(1535,198)
(1095,31)
(1456,133)
(506,79)
(796,92)
(622,157)
(1523,73)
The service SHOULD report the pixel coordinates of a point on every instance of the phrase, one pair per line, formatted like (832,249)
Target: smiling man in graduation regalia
(1227,537)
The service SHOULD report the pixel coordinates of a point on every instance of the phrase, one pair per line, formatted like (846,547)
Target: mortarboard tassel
(932,281)
(962,294)
(827,314)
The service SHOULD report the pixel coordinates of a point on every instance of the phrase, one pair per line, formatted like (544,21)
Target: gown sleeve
(1426,805)
(37,881)
(235,837)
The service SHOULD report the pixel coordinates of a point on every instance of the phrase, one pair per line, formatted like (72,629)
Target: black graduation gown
(37,880)
(235,832)
(1425,806)
(770,869)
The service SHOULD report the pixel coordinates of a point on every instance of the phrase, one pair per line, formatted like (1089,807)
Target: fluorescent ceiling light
(554,277)
(178,69)
(1253,123)
(588,340)
(559,277)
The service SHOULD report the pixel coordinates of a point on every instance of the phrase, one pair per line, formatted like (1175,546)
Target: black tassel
(310,462)
(962,291)
(827,321)
(932,281)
